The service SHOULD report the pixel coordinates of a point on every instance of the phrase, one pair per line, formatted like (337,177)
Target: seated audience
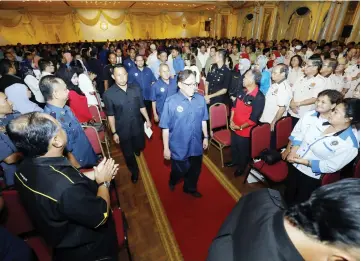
(295,71)
(324,227)
(8,74)
(19,95)
(56,95)
(69,210)
(322,149)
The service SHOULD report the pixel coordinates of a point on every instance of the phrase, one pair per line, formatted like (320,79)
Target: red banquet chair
(93,137)
(121,227)
(356,172)
(218,119)
(94,111)
(330,178)
(18,223)
(260,140)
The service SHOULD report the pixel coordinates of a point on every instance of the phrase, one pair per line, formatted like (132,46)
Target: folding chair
(93,137)
(94,111)
(330,178)
(218,119)
(121,227)
(18,223)
(260,140)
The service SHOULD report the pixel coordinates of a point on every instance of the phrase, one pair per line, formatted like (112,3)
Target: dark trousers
(299,186)
(129,147)
(240,148)
(189,169)
(294,120)
(148,106)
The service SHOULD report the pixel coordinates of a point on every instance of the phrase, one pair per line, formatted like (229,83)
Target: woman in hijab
(261,63)
(19,95)
(77,100)
(237,78)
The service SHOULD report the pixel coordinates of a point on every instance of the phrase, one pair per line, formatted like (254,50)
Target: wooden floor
(144,239)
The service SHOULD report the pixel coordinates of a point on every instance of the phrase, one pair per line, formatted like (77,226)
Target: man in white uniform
(328,67)
(306,90)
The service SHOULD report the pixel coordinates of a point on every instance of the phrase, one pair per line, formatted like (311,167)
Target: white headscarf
(18,95)
(244,65)
(262,62)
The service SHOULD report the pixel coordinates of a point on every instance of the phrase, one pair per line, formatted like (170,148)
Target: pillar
(260,21)
(329,18)
(316,18)
(201,24)
(356,26)
(339,22)
(272,25)
(239,24)
(333,21)
(254,22)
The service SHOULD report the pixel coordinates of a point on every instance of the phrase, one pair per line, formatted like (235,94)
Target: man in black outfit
(70,210)
(124,106)
(261,228)
(96,67)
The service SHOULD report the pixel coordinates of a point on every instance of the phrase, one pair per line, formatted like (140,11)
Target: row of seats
(260,141)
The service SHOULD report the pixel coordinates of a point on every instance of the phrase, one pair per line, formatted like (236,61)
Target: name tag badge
(334,143)
(162,89)
(179,109)
(136,74)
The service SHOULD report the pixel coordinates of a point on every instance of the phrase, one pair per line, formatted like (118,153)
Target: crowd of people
(46,91)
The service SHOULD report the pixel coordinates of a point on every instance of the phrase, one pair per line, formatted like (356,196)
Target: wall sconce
(104,26)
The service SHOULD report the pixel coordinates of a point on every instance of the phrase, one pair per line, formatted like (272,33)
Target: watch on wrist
(113,133)
(105,184)
(206,137)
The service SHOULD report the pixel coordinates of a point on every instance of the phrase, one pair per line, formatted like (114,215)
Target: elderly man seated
(70,210)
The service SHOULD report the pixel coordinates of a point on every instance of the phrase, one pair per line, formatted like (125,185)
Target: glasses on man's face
(192,85)
(325,65)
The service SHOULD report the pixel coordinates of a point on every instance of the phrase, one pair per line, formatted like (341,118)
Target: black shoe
(134,178)
(171,186)
(229,164)
(137,153)
(238,173)
(195,194)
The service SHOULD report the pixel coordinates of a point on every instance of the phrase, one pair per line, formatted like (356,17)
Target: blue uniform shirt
(155,68)
(265,82)
(144,79)
(128,64)
(78,142)
(183,118)
(161,91)
(7,148)
(178,64)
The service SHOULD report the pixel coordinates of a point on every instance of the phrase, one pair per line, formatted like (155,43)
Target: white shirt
(195,70)
(338,81)
(86,86)
(293,75)
(329,83)
(327,153)
(152,58)
(44,73)
(278,95)
(305,89)
(351,71)
(33,85)
(203,58)
(119,60)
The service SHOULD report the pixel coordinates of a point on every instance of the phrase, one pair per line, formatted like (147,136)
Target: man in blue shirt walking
(143,76)
(184,118)
(178,63)
(161,90)
(129,62)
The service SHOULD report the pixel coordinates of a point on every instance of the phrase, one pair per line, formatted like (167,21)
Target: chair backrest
(93,137)
(17,220)
(201,92)
(218,116)
(260,139)
(94,111)
(330,178)
(283,131)
(356,172)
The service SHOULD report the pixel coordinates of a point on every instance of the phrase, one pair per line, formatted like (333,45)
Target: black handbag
(270,156)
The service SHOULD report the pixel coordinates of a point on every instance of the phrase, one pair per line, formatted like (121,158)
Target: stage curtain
(91,17)
(11,22)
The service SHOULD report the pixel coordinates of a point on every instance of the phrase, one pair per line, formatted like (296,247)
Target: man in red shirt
(247,109)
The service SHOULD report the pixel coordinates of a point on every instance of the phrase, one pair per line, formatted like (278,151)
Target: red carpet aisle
(194,222)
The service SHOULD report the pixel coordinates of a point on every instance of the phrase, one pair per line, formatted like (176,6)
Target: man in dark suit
(96,67)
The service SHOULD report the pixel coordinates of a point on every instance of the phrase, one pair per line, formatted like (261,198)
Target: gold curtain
(179,18)
(11,22)
(93,21)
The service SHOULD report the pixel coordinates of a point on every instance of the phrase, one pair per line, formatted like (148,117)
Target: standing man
(108,71)
(130,61)
(235,55)
(203,57)
(245,114)
(124,106)
(55,95)
(118,54)
(144,77)
(184,119)
(178,63)
(210,59)
(161,90)
(218,80)
(162,58)
(153,55)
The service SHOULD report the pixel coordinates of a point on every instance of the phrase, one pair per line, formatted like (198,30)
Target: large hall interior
(188,130)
